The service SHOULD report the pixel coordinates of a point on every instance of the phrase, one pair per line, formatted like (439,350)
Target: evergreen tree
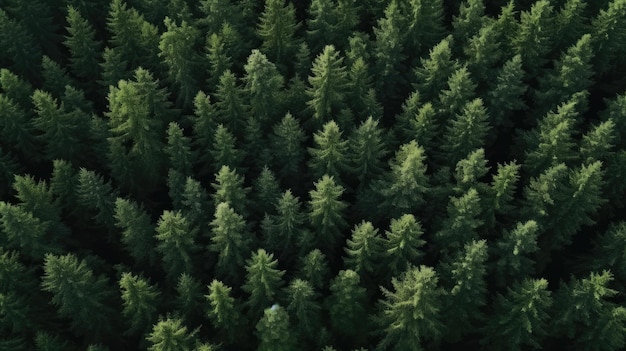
(403,189)
(426,24)
(520,317)
(304,310)
(403,243)
(410,314)
(16,88)
(277,29)
(189,299)
(230,240)
(78,294)
(263,282)
(140,302)
(137,230)
(535,35)
(55,76)
(467,289)
(229,188)
(178,150)
(367,150)
(263,85)
(470,21)
(15,131)
(459,228)
(364,249)
(466,132)
(170,334)
(177,49)
(433,74)
(273,330)
(346,306)
(328,85)
(607,30)
(230,107)
(266,190)
(328,157)
(326,212)
(224,150)
(584,311)
(224,311)
(483,53)
(513,251)
(25,232)
(506,95)
(313,268)
(113,67)
(571,23)
(21,52)
(285,229)
(97,197)
(204,127)
(287,147)
(82,44)
(218,59)
(175,243)
(460,90)
(502,192)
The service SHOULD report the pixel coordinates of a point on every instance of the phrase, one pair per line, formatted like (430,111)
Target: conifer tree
(367,149)
(466,132)
(230,240)
(113,67)
(403,189)
(410,314)
(346,305)
(230,107)
(304,310)
(460,90)
(177,49)
(515,250)
(16,88)
(263,84)
(584,311)
(535,35)
(63,185)
(21,51)
(137,231)
(328,85)
(470,21)
(224,151)
(15,131)
(263,282)
(388,52)
(273,330)
(433,73)
(229,188)
(520,317)
(364,249)
(426,24)
(25,232)
(277,29)
(170,334)
(608,253)
(285,229)
(506,94)
(175,243)
(500,200)
(313,268)
(470,170)
(287,147)
(55,77)
(598,142)
(465,277)
(329,154)
(267,191)
(483,53)
(189,299)
(78,294)
(97,196)
(82,44)
(403,243)
(571,23)
(326,212)
(223,310)
(463,219)
(204,126)
(607,30)
(140,302)
(178,150)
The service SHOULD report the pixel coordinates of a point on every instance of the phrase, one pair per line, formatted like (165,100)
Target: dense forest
(280,175)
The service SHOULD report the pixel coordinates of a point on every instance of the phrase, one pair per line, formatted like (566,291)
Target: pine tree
(230,106)
(224,311)
(608,29)
(329,154)
(520,317)
(535,36)
(229,188)
(585,313)
(224,151)
(502,192)
(571,23)
(426,24)
(403,189)
(175,243)
(285,229)
(263,282)
(328,85)
(273,330)
(466,284)
(466,132)
(515,250)
(313,268)
(346,306)
(460,90)
(326,212)
(483,53)
(266,191)
(367,149)
(287,147)
(432,76)
(79,295)
(410,314)
(364,249)
(277,29)
(113,67)
(470,170)
(506,95)
(22,231)
(470,21)
(20,49)
(608,253)
(459,228)
(204,127)
(16,133)
(263,85)
(137,231)
(403,243)
(170,334)
(177,49)
(189,299)
(82,44)
(178,150)
(96,196)
(304,310)
(55,77)
(140,302)
(218,59)
(230,240)
(16,88)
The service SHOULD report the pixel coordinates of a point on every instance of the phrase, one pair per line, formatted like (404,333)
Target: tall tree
(78,294)
(329,156)
(403,243)
(83,46)
(459,228)
(466,132)
(506,94)
(607,30)
(535,35)
(287,147)
(328,85)
(230,240)
(434,71)
(326,212)
(140,302)
(364,249)
(410,314)
(346,305)
(263,282)
(170,334)
(175,243)
(277,29)
(137,231)
(367,147)
(229,188)
(263,85)
(223,310)
(274,330)
(304,310)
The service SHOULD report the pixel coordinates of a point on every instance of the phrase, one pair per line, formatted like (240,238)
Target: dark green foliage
(229,188)
(326,212)
(263,86)
(17,134)
(367,149)
(607,30)
(328,157)
(520,317)
(263,282)
(466,132)
(230,240)
(140,302)
(463,219)
(329,82)
(223,310)
(346,305)
(287,146)
(189,299)
(433,72)
(224,150)
(96,196)
(304,310)
(314,268)
(82,44)
(137,231)
(230,107)
(175,243)
(535,35)
(273,330)
(505,97)
(365,248)
(277,29)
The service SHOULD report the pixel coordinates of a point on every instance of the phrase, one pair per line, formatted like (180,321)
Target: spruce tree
(466,132)
(328,85)
(346,306)
(434,71)
(535,35)
(189,299)
(304,310)
(170,334)
(402,244)
(326,212)
(223,310)
(229,188)
(460,227)
(515,252)
(274,330)
(175,243)
(506,94)
(367,147)
(287,147)
(230,240)
(329,156)
(263,282)
(230,107)
(364,249)
(224,151)
(137,231)
(140,302)
(277,29)
(313,267)
(263,85)
(82,44)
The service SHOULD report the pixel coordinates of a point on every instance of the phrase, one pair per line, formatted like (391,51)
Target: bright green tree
(223,310)
(364,249)
(433,73)
(329,156)
(274,330)
(230,240)
(263,84)
(329,83)
(515,252)
(403,243)
(263,282)
(229,188)
(463,220)
(170,334)
(175,243)
(410,314)
(535,35)
(466,132)
(326,212)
